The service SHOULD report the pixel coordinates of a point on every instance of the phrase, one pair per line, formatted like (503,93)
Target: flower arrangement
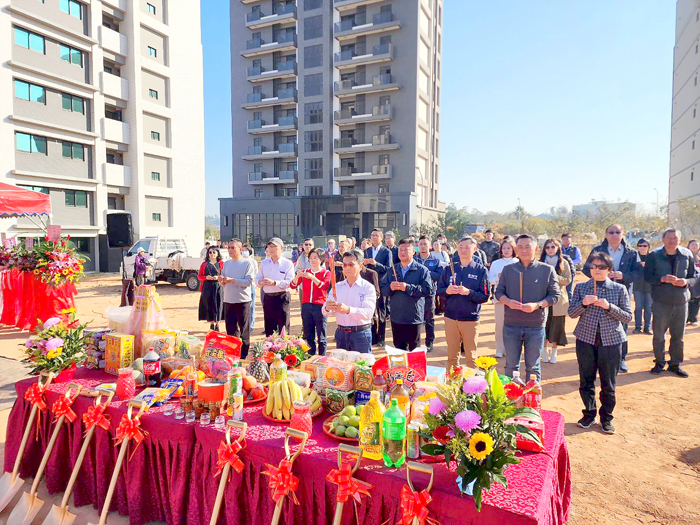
(56,344)
(58,262)
(468,423)
(293,350)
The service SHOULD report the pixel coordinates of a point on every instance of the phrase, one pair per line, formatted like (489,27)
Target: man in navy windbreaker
(435,267)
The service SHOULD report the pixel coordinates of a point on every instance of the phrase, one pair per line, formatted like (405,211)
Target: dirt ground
(649,472)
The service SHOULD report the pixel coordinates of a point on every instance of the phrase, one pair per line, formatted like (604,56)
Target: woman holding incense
(314,284)
(555,329)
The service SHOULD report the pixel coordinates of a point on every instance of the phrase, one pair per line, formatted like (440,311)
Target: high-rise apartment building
(335,115)
(102,108)
(684,177)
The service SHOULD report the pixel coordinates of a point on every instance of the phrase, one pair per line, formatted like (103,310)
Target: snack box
(362,397)
(336,400)
(119,352)
(435,374)
(338,375)
(363,377)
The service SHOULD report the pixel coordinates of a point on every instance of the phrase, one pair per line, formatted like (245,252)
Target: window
(312,4)
(155,176)
(692,176)
(111,203)
(152,93)
(291,192)
(313,84)
(696,81)
(313,113)
(32,92)
(313,140)
(313,27)
(155,136)
(29,40)
(156,217)
(314,191)
(71,103)
(71,55)
(71,7)
(77,199)
(383,188)
(225,220)
(152,51)
(258,194)
(279,191)
(313,169)
(693,147)
(31,143)
(313,56)
(694,112)
(71,150)
(151,8)
(40,189)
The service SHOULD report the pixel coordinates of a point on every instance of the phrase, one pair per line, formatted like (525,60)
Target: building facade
(335,116)
(102,105)
(684,175)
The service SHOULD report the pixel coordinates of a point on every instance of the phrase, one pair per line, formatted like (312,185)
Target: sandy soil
(649,472)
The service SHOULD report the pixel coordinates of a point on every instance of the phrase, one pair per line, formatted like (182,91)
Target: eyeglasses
(349,265)
(550,247)
(616,232)
(600,266)
(307,244)
(643,246)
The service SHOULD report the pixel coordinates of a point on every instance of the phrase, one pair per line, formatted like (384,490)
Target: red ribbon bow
(62,407)
(348,487)
(35,395)
(95,416)
(414,505)
(282,481)
(129,429)
(228,455)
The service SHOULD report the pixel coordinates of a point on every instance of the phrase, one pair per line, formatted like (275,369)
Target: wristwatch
(540,305)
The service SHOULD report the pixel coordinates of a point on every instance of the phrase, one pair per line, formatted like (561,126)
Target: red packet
(524,443)
(221,345)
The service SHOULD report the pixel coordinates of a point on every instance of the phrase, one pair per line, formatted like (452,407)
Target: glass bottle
(379,385)
(371,416)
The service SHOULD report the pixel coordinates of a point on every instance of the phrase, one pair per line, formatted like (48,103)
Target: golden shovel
(141,405)
(227,467)
(10,483)
(29,505)
(425,469)
(60,515)
(297,434)
(348,450)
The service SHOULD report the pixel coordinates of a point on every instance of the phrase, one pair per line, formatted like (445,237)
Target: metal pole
(422,197)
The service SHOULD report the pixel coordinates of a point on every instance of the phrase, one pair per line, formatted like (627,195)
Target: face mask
(245,253)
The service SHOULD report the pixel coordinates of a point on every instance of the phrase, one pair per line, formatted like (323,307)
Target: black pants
(693,309)
(276,312)
(429,320)
(406,336)
(671,318)
(237,316)
(604,360)
(314,324)
(379,329)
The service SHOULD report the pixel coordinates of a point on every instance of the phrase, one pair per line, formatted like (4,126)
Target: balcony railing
(279,69)
(288,65)
(255,71)
(377,140)
(385,138)
(378,171)
(379,80)
(377,111)
(258,176)
(288,175)
(282,38)
(288,93)
(256,124)
(278,10)
(256,150)
(350,54)
(255,97)
(287,148)
(287,121)
(282,95)
(346,142)
(352,23)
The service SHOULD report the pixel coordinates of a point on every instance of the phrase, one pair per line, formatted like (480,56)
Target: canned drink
(238,407)
(413,441)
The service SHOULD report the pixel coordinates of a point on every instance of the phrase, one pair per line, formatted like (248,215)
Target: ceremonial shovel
(29,505)
(10,483)
(60,515)
(298,434)
(425,469)
(349,450)
(141,405)
(227,468)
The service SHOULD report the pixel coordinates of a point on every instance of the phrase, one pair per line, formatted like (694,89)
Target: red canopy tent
(19,202)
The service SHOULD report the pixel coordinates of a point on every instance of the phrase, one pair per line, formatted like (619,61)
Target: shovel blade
(59,516)
(26,510)
(8,488)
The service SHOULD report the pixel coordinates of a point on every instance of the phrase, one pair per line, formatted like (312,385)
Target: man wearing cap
(274,277)
(141,265)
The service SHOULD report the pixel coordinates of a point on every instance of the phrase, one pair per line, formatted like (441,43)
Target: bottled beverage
(278,370)
(533,394)
(235,387)
(402,396)
(151,368)
(237,407)
(191,382)
(394,435)
(371,417)
(516,379)
(379,385)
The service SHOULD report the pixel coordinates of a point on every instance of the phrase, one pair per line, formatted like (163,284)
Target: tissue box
(119,352)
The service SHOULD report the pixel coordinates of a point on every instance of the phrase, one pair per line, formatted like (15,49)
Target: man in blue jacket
(379,259)
(628,267)
(435,267)
(568,248)
(465,286)
(407,285)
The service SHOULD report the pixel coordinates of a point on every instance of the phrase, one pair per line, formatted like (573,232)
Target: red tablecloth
(171,474)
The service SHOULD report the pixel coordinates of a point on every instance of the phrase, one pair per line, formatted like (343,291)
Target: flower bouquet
(466,422)
(58,262)
(56,345)
(293,350)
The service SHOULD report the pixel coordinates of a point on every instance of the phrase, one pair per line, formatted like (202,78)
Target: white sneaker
(499,353)
(546,355)
(553,359)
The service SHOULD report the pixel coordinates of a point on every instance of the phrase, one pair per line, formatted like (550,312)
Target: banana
(286,395)
(270,403)
(292,390)
(278,413)
(300,394)
(277,394)
(286,413)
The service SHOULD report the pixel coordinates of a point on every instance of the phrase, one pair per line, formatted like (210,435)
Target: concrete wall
(159,165)
(160,84)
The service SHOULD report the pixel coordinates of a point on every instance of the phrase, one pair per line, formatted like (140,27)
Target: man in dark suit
(379,259)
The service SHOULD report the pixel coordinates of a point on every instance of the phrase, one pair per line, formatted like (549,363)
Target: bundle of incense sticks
(521,286)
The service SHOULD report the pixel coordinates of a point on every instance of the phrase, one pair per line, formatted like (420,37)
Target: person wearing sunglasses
(555,329)
(642,294)
(626,267)
(603,308)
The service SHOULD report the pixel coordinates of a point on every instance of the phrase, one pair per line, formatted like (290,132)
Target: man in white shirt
(274,276)
(354,306)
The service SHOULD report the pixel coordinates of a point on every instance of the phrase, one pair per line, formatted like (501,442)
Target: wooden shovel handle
(349,449)
(419,467)
(113,482)
(297,434)
(232,423)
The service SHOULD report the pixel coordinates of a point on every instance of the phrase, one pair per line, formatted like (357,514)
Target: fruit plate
(328,430)
(247,402)
(317,413)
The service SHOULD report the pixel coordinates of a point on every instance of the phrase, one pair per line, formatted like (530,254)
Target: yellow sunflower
(480,445)
(485,362)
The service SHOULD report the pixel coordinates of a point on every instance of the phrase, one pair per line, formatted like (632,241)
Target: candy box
(363,377)
(337,400)
(338,375)
(361,397)
(187,346)
(119,352)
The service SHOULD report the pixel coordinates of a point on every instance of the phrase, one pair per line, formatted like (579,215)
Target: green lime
(339,430)
(349,411)
(355,421)
(351,432)
(344,420)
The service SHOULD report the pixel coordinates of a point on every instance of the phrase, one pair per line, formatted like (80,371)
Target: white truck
(170,262)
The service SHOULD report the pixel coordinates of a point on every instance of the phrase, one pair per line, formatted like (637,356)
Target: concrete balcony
(282,151)
(351,117)
(346,5)
(283,124)
(383,142)
(115,131)
(282,70)
(257,46)
(114,86)
(352,87)
(285,14)
(381,23)
(282,177)
(352,58)
(113,41)
(116,175)
(376,172)
(285,97)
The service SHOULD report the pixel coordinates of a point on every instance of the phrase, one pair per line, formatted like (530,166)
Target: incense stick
(520,274)
(332,265)
(594,289)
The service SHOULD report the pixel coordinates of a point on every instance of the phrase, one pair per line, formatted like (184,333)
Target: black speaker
(120,232)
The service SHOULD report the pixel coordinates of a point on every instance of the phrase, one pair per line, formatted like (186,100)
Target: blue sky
(555,102)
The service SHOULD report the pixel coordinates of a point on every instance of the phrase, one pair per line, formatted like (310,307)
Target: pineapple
(258,367)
